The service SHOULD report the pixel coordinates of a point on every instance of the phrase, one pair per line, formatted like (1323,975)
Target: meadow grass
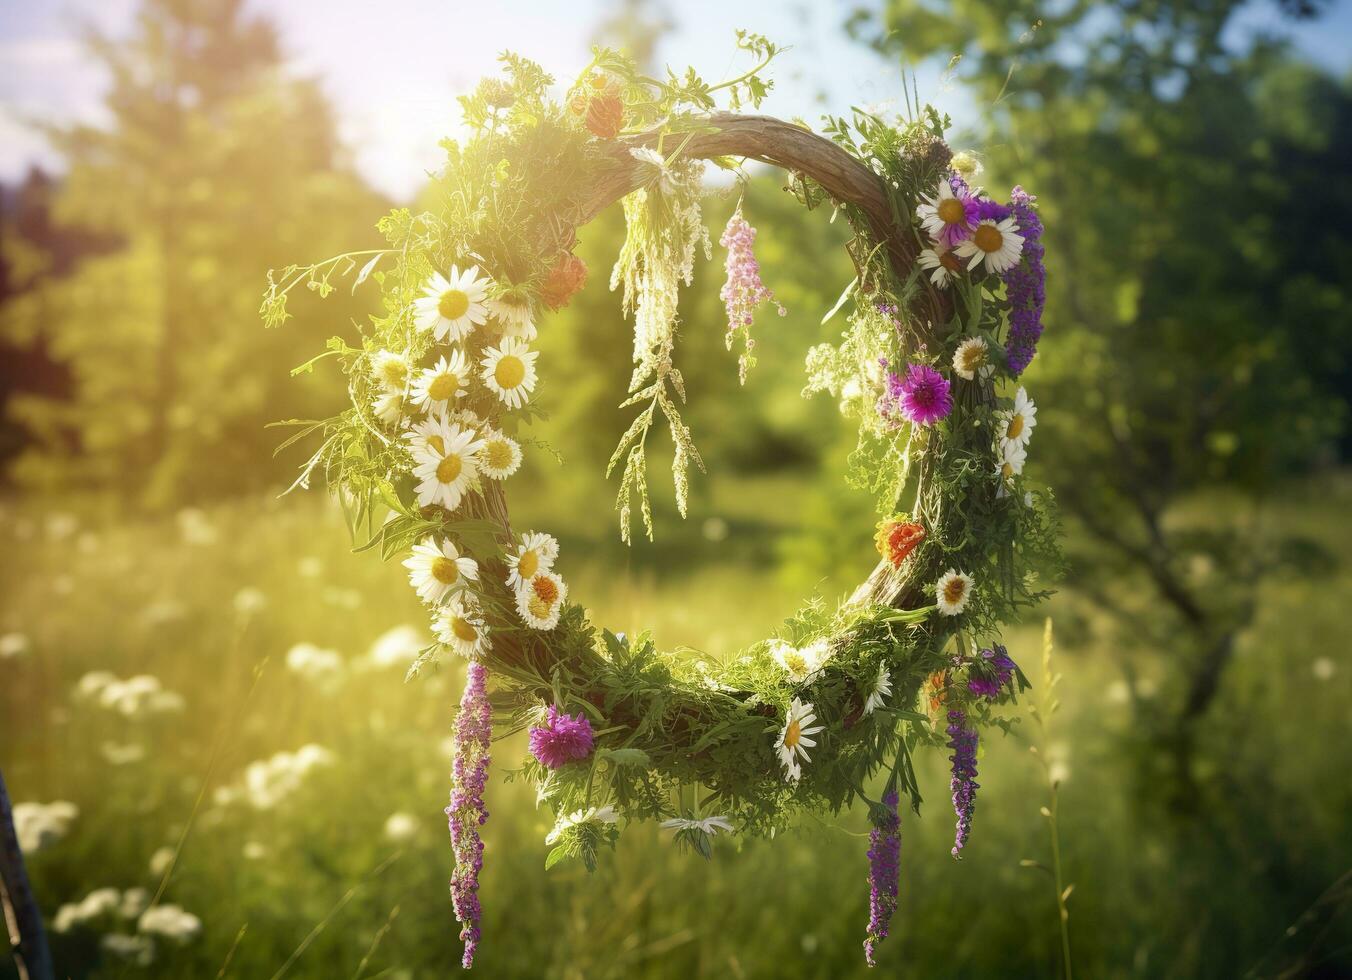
(303,874)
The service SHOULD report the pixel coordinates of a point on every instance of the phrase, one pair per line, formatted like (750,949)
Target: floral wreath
(947,304)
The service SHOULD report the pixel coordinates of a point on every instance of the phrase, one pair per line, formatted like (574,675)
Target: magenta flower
(562,739)
(963,741)
(923,396)
(467,813)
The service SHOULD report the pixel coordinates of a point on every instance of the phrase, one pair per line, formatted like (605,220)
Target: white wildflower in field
(195,528)
(136,697)
(160,861)
(122,754)
(254,850)
(267,782)
(97,904)
(61,526)
(40,825)
(321,667)
(14,645)
(310,567)
(134,902)
(1323,669)
(170,922)
(249,601)
(401,827)
(396,647)
(136,950)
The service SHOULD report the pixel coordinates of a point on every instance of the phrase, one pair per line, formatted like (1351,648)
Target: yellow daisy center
(951,211)
(444,570)
(454,304)
(955,588)
(443,386)
(436,444)
(449,469)
(973,357)
(546,590)
(528,564)
(498,454)
(394,373)
(793,733)
(1015,426)
(950,262)
(539,608)
(463,629)
(988,238)
(1006,470)
(509,372)
(795,662)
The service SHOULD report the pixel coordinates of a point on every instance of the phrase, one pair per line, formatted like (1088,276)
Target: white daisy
(1009,460)
(436,570)
(452,306)
(793,742)
(710,825)
(513,315)
(800,665)
(500,457)
(999,245)
(439,386)
(882,690)
(535,554)
(427,437)
(973,359)
(540,600)
(946,216)
(460,626)
(952,591)
(509,371)
(944,265)
(446,466)
(391,406)
(390,370)
(1016,425)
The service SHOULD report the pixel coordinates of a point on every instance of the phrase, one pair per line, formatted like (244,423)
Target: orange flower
(936,691)
(566,278)
(605,114)
(897,537)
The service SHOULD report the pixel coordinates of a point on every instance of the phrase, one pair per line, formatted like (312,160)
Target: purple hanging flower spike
(1025,285)
(562,739)
(884,874)
(963,741)
(467,813)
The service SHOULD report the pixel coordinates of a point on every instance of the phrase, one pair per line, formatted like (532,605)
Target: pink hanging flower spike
(467,813)
(743,290)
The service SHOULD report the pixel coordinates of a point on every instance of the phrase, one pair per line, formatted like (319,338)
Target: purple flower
(884,874)
(963,741)
(923,395)
(467,813)
(1025,285)
(561,740)
(992,673)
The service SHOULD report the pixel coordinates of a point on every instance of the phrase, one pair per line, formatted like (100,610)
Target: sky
(392,114)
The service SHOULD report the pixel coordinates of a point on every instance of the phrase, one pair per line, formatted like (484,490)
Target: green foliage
(208,141)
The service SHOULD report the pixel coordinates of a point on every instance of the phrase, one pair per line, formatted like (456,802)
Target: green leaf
(841,302)
(636,758)
(555,856)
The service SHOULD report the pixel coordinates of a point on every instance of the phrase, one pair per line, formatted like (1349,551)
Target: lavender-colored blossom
(992,673)
(562,739)
(884,874)
(1025,285)
(963,741)
(743,291)
(922,396)
(467,813)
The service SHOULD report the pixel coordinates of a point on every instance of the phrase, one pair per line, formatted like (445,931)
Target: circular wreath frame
(668,736)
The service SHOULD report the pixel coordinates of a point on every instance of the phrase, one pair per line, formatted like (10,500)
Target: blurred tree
(1200,331)
(215,166)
